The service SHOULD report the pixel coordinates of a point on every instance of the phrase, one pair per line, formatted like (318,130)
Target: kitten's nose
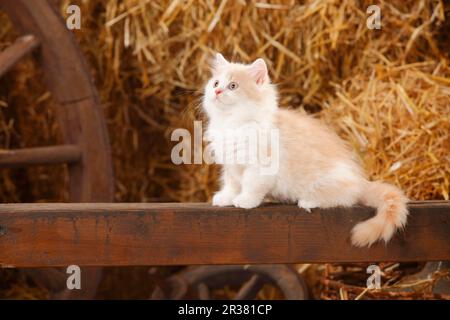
(218,91)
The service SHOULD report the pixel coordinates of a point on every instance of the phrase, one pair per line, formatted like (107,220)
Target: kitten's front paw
(246,201)
(222,199)
(307,205)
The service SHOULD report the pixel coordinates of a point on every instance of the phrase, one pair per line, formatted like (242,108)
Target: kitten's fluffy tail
(391,214)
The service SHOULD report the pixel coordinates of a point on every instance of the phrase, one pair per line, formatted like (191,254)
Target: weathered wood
(39,156)
(14,53)
(34,235)
(78,112)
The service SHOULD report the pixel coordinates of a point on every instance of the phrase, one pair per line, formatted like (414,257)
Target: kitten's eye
(233,86)
(216,83)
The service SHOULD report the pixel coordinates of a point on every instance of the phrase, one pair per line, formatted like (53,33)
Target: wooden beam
(39,156)
(34,235)
(14,53)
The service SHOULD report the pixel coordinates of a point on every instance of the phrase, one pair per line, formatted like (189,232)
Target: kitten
(316,168)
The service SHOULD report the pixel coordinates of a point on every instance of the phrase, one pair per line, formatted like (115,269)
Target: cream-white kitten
(315,169)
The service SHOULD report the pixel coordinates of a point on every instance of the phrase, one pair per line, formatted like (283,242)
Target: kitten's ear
(258,71)
(218,62)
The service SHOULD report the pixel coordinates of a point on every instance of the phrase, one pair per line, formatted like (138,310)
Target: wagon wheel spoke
(203,291)
(40,155)
(79,114)
(53,279)
(250,289)
(441,286)
(250,279)
(14,53)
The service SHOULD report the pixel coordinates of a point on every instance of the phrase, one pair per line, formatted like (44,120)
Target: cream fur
(316,168)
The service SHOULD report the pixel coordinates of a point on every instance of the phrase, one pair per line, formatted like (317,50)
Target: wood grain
(19,49)
(39,156)
(93,234)
(78,110)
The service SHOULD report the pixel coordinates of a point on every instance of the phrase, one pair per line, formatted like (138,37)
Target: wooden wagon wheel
(86,148)
(199,281)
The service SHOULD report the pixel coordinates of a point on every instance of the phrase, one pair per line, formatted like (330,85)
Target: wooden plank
(78,110)
(14,53)
(33,235)
(40,155)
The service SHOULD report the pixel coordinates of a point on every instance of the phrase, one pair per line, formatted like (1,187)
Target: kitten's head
(239,89)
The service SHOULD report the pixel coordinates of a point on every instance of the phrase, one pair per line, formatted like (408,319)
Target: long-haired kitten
(315,167)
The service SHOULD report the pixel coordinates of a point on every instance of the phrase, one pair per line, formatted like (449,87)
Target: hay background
(385,91)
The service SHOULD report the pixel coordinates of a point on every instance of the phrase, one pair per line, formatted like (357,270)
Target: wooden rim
(78,111)
(86,147)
